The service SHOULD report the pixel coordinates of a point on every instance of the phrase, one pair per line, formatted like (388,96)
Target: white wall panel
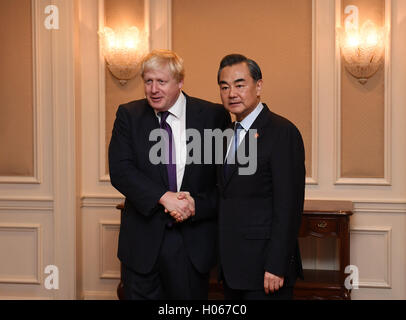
(108,245)
(20,253)
(371,253)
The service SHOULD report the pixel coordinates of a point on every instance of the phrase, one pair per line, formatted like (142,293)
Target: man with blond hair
(168,237)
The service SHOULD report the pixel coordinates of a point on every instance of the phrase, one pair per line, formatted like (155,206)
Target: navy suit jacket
(143,184)
(260,214)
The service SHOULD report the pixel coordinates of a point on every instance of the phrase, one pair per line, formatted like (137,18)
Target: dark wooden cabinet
(320,219)
(326,219)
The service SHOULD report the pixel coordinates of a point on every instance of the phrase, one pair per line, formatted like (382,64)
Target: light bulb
(372,39)
(353,41)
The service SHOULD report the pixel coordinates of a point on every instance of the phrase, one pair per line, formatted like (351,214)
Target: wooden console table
(326,219)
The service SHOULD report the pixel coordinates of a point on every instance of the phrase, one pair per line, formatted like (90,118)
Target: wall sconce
(123,50)
(362,49)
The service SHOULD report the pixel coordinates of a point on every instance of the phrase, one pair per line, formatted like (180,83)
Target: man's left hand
(272,282)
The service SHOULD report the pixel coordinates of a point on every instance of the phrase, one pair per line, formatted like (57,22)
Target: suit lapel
(151,122)
(193,121)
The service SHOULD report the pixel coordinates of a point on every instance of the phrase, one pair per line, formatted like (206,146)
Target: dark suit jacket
(143,184)
(260,214)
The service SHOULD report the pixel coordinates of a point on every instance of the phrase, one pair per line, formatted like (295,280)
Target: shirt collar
(247,122)
(178,109)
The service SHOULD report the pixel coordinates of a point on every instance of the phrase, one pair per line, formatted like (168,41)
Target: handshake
(180,205)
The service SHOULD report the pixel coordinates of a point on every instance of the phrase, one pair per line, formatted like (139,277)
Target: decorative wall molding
(385,281)
(160,23)
(36,24)
(103,227)
(37,70)
(101,201)
(373,206)
(36,277)
(26,204)
(99,295)
(316,12)
(25,298)
(64,132)
(387,179)
(103,177)
(22,180)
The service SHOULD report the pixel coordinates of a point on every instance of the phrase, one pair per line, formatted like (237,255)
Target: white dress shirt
(246,124)
(177,121)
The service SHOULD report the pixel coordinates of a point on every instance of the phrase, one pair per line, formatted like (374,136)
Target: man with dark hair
(232,59)
(259,213)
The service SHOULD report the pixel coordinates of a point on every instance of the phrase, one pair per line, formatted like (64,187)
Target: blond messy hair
(157,59)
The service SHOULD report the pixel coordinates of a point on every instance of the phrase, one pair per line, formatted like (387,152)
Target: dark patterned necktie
(170,153)
(232,154)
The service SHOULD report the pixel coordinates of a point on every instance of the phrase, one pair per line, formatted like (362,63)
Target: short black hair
(235,58)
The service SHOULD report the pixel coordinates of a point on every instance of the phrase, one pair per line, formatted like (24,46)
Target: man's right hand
(178,207)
